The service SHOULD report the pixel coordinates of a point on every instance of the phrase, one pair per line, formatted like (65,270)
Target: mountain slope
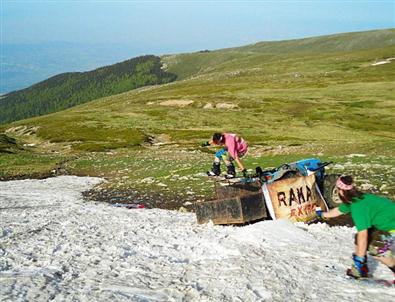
(69,89)
(191,64)
(288,106)
(327,44)
(293,98)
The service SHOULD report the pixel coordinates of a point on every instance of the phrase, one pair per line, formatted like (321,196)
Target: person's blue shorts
(223,154)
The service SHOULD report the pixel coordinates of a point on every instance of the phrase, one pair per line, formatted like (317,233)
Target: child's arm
(207,143)
(332,213)
(239,163)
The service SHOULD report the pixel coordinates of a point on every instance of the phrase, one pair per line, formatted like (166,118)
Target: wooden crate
(236,187)
(233,210)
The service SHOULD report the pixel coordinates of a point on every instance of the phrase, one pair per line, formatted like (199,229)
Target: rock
(226,106)
(201,174)
(176,103)
(355,155)
(182,209)
(338,167)
(148,180)
(383,187)
(367,187)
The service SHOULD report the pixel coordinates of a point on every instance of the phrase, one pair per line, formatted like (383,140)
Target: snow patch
(56,246)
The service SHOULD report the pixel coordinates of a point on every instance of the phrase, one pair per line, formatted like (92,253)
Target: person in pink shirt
(234,147)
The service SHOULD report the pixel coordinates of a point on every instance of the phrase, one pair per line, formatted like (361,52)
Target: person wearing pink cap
(374,219)
(234,147)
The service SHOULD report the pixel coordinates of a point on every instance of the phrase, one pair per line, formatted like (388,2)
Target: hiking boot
(215,170)
(230,171)
(354,273)
(359,268)
(211,173)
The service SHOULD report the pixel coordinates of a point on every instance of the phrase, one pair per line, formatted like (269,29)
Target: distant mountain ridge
(69,89)
(25,64)
(191,64)
(329,43)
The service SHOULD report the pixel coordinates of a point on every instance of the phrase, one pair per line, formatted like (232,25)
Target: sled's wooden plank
(238,187)
(234,210)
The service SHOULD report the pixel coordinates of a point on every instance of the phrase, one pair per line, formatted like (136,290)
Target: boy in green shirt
(374,219)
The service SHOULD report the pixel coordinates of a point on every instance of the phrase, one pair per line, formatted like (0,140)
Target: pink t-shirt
(235,145)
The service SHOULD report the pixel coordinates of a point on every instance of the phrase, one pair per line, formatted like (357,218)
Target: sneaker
(216,169)
(359,267)
(354,273)
(231,172)
(211,173)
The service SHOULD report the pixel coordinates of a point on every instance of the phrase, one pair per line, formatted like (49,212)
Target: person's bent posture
(234,147)
(374,219)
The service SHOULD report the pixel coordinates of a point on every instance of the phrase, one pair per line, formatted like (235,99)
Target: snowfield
(56,246)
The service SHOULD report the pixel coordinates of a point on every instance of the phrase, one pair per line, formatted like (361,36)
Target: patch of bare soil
(226,106)
(176,103)
(148,199)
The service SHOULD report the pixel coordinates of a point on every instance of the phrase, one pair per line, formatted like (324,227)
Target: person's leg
(216,168)
(223,155)
(226,158)
(382,248)
(388,261)
(230,168)
(359,267)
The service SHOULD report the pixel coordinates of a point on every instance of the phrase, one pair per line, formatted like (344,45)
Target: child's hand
(319,213)
(245,174)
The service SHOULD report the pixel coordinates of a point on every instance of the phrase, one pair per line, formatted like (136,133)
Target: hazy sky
(177,26)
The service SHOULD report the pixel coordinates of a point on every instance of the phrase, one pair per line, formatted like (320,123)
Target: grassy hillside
(336,104)
(192,64)
(70,89)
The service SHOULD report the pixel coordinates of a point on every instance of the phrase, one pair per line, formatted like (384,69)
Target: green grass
(27,164)
(91,135)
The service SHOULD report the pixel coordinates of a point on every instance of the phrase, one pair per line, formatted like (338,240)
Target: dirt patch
(386,61)
(226,106)
(148,199)
(160,139)
(176,103)
(23,130)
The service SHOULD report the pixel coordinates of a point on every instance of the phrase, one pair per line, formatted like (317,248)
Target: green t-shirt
(371,211)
